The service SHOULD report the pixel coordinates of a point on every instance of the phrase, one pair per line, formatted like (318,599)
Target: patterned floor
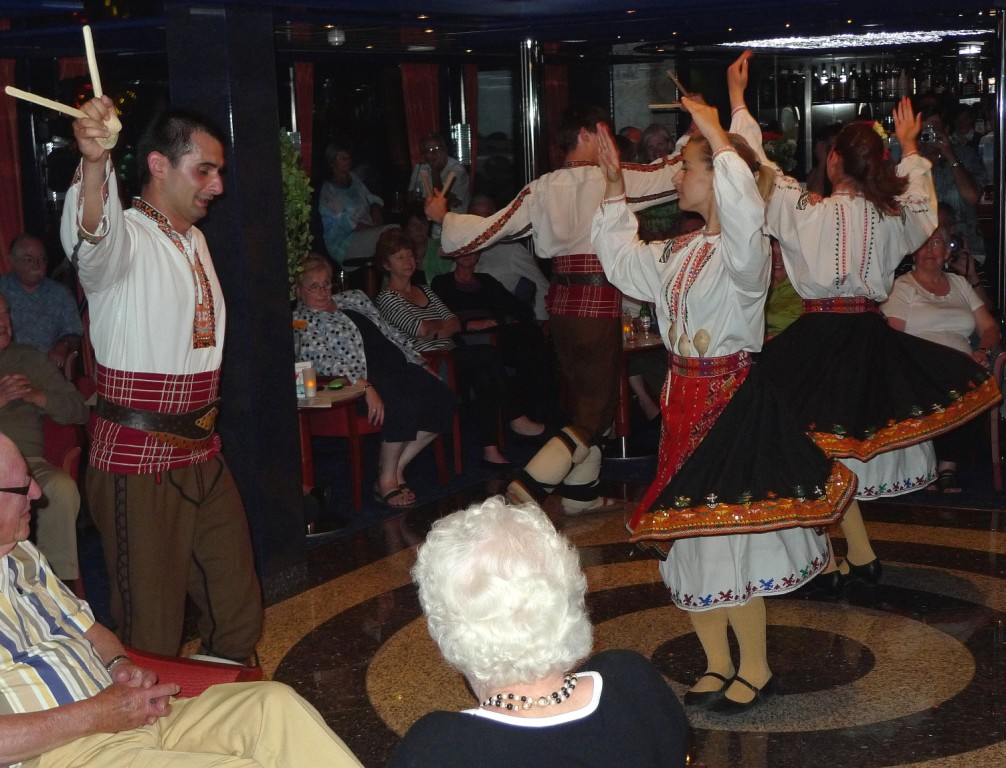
(911,672)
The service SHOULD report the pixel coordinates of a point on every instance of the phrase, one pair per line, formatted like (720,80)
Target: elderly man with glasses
(43,311)
(32,387)
(72,697)
(436,168)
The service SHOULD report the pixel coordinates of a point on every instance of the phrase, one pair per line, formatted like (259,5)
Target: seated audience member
(960,260)
(429,260)
(346,336)
(626,149)
(347,208)
(503,596)
(512,265)
(783,305)
(426,320)
(43,311)
(481,303)
(436,167)
(940,306)
(32,387)
(635,137)
(958,175)
(657,142)
(647,370)
(73,698)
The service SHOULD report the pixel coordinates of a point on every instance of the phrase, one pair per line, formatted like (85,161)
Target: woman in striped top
(424,318)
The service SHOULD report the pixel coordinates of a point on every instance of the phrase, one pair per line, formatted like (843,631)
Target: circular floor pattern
(878,685)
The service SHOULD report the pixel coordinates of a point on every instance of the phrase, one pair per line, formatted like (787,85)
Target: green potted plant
(296,206)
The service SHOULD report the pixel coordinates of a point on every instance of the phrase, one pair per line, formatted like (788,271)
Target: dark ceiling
(43,28)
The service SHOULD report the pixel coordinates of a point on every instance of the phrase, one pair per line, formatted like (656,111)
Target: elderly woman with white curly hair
(503,595)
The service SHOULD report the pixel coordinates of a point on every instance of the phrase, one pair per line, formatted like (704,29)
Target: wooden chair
(345,421)
(444,359)
(192,675)
(63,445)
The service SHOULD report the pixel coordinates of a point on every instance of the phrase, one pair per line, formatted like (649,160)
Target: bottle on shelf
(852,84)
(879,93)
(969,88)
(843,83)
(834,89)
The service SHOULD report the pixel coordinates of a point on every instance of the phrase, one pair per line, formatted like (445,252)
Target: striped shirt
(406,316)
(45,662)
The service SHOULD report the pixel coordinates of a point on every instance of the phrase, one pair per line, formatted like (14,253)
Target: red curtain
(421,89)
(556,100)
(72,66)
(470,74)
(303,88)
(11,215)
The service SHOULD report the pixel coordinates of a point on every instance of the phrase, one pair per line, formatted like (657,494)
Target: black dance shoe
(825,586)
(869,572)
(727,706)
(705,699)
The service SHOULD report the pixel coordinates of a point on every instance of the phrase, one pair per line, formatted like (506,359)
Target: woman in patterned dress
(346,336)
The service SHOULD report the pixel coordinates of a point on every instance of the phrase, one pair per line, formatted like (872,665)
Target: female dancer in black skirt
(740,487)
(866,394)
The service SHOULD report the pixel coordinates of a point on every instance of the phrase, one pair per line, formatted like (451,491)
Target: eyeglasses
(315,287)
(20,491)
(431,150)
(38,261)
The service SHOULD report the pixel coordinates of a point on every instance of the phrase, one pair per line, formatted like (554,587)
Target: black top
(638,722)
(485,298)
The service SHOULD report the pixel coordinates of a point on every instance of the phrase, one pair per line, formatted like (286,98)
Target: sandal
(394,493)
(947,481)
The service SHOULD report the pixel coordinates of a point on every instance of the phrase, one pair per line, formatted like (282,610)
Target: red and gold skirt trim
(911,431)
(660,527)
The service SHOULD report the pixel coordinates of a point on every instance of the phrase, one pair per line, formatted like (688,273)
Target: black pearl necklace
(511,701)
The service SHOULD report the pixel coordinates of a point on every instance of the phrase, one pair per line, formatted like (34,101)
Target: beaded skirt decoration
(752,470)
(861,388)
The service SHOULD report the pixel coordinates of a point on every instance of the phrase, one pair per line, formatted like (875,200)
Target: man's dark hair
(170,133)
(574,118)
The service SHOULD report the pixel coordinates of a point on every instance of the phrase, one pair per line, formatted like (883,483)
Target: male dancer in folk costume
(169,513)
(740,488)
(584,307)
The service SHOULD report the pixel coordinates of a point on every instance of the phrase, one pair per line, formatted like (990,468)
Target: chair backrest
(192,676)
(63,446)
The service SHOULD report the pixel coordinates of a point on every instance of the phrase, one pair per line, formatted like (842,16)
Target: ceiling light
(851,40)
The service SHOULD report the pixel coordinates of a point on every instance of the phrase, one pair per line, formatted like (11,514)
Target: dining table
(327,397)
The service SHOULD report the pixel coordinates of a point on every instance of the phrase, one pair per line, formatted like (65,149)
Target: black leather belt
(191,429)
(580,278)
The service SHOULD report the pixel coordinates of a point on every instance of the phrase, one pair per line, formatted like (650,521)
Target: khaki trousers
(56,521)
(236,725)
(174,533)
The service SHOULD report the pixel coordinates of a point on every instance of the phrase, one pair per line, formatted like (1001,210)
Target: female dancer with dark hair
(739,485)
(865,393)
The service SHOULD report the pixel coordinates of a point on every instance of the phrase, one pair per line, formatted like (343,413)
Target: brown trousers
(175,533)
(590,363)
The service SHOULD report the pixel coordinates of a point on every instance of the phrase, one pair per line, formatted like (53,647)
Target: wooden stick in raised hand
(112,123)
(448,184)
(682,91)
(42,101)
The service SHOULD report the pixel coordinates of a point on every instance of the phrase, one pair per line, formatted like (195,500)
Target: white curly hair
(503,594)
